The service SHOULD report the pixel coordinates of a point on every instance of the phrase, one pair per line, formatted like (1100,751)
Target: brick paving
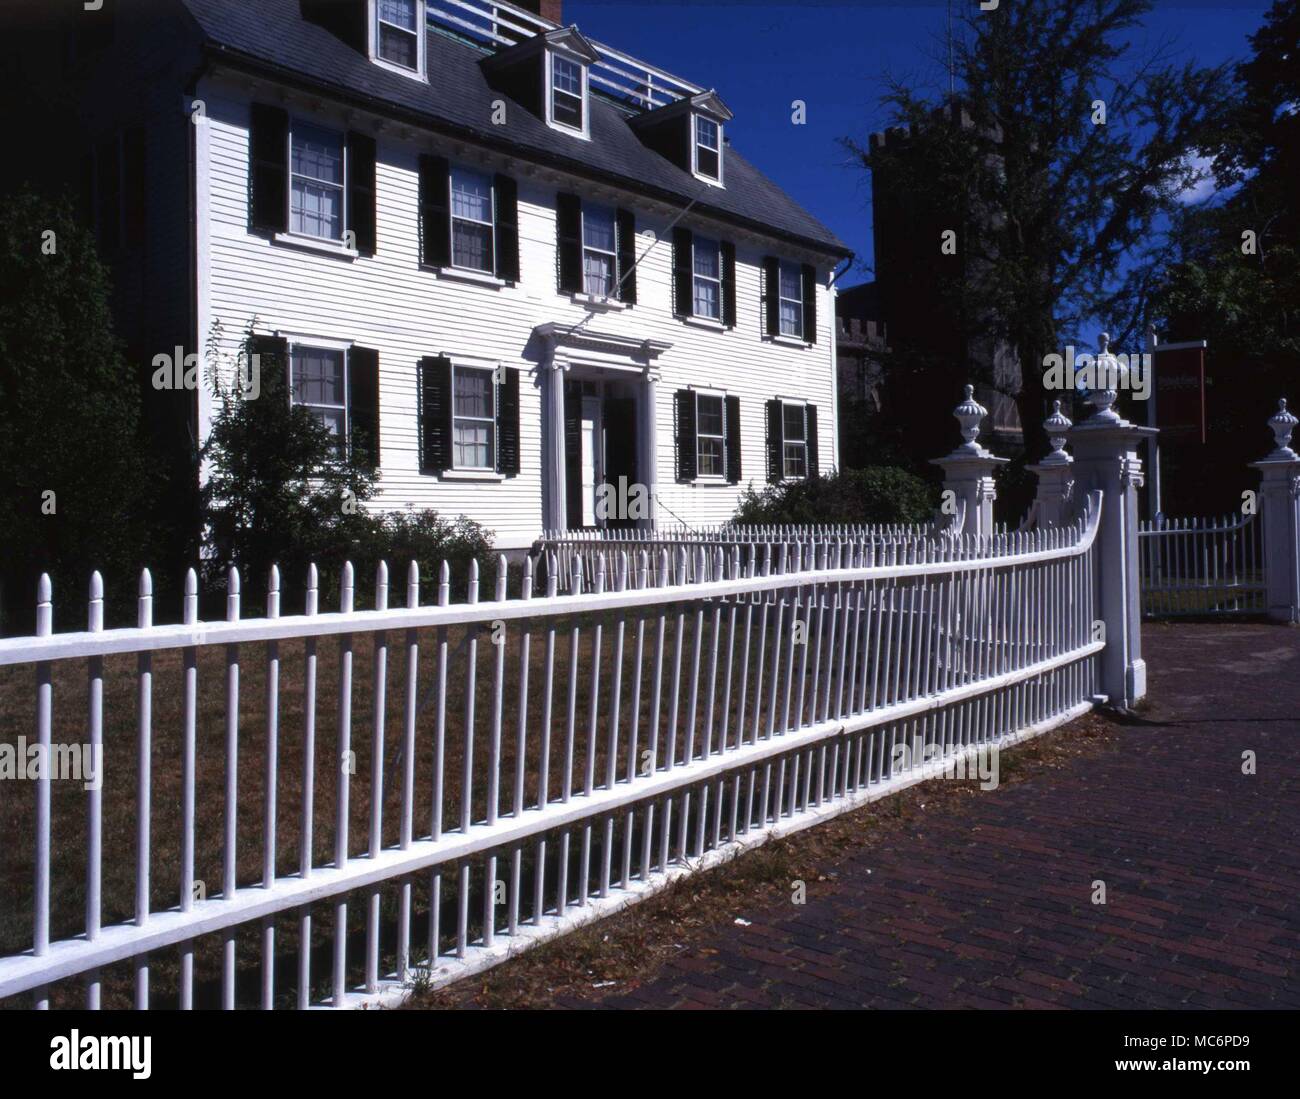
(992,906)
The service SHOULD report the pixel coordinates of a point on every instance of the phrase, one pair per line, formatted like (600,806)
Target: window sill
(710,181)
(400,70)
(603,305)
(715,482)
(464,274)
(471,475)
(704,322)
(790,341)
(316,244)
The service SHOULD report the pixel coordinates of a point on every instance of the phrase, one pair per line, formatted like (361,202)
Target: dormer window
(568,96)
(708,149)
(398,39)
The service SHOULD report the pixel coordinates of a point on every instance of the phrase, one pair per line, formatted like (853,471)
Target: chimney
(547,9)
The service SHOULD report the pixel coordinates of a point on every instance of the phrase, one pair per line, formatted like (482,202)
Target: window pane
(471,195)
(474,393)
(471,245)
(401,13)
(791,318)
(795,460)
(706,132)
(711,460)
(399,47)
(706,163)
(598,271)
(706,299)
(317,153)
(793,414)
(709,415)
(707,261)
(317,376)
(598,228)
(566,76)
(472,445)
(791,282)
(317,210)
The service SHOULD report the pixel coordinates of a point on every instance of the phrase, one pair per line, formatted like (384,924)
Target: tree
(1060,160)
(77,486)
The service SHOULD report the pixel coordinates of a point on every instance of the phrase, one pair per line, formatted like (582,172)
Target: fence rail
(1202,566)
(561,754)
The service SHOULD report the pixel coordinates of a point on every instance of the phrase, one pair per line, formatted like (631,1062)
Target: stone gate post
(1106,459)
(1054,501)
(968,470)
(1279,493)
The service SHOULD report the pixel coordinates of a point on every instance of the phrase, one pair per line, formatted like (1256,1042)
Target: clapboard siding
(390,303)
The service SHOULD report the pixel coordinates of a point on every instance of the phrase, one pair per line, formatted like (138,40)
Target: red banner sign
(1180,391)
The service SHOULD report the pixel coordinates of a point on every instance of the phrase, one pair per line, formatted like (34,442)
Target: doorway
(600,448)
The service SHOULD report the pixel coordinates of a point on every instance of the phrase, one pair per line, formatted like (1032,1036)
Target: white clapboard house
(521,262)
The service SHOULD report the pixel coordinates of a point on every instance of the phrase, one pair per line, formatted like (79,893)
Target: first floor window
(598,260)
(795,441)
(319,384)
(710,436)
(471,220)
(791,295)
(398,39)
(566,92)
(473,419)
(316,199)
(707,278)
(708,148)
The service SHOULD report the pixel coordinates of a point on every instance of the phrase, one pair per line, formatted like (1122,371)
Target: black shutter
(269,168)
(435,212)
(363,405)
(772,294)
(728,284)
(568,242)
(361,191)
(731,428)
(573,453)
(810,303)
(508,423)
(435,414)
(625,227)
(272,363)
(683,272)
(775,443)
(505,194)
(687,442)
(810,433)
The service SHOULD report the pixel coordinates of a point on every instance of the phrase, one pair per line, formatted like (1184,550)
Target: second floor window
(710,436)
(598,251)
(791,279)
(707,278)
(474,419)
(471,220)
(319,384)
(316,196)
(794,441)
(397,38)
(566,92)
(708,148)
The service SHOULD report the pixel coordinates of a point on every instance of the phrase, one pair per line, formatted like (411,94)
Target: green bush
(883,494)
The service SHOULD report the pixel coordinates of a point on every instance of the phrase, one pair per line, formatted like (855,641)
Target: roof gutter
(256,67)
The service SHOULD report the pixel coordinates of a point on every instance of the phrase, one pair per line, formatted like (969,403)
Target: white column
(648,441)
(1279,493)
(554,487)
(1106,459)
(968,470)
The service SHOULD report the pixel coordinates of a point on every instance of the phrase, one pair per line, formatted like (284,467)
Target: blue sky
(833,54)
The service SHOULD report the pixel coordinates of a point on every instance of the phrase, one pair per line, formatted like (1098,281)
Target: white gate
(1202,566)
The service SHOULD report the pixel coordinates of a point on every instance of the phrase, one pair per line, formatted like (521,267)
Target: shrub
(882,494)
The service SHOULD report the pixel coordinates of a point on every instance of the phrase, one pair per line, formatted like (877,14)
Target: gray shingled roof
(272,34)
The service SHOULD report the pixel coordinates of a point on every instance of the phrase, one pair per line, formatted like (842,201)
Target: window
(319,383)
(707,267)
(397,35)
(316,197)
(708,148)
(598,257)
(567,79)
(791,300)
(710,436)
(471,220)
(795,441)
(473,419)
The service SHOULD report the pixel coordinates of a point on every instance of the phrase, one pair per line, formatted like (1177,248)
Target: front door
(600,448)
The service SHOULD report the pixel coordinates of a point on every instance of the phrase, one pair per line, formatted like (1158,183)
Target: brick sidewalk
(991,906)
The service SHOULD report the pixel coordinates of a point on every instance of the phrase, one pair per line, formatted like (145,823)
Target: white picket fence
(561,755)
(1202,566)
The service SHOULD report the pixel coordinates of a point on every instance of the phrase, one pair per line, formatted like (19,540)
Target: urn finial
(1056,425)
(1283,423)
(969,414)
